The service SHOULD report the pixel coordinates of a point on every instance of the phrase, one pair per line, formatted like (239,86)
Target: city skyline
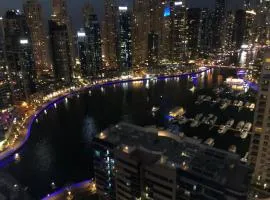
(76,15)
(162,99)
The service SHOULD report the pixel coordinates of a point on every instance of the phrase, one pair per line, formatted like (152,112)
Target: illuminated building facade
(260,140)
(61,52)
(5,93)
(109,34)
(19,55)
(93,40)
(263,22)
(218,26)
(228,45)
(205,32)
(131,162)
(178,42)
(140,31)
(165,36)
(61,17)
(124,39)
(33,13)
(193,30)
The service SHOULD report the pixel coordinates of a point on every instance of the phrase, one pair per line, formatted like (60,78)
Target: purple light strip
(6,156)
(68,188)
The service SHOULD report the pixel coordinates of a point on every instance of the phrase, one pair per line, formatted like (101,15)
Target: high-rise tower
(19,53)
(218,25)
(33,13)
(93,42)
(140,30)
(62,44)
(178,30)
(5,93)
(260,140)
(109,34)
(124,53)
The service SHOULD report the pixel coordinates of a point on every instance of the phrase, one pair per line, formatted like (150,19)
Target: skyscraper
(260,140)
(93,40)
(205,32)
(178,30)
(60,15)
(218,25)
(165,36)
(124,49)
(5,93)
(61,52)
(109,34)
(62,44)
(33,13)
(193,29)
(262,23)
(140,31)
(228,44)
(19,53)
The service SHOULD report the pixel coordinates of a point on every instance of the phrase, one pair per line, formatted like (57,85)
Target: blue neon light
(167,11)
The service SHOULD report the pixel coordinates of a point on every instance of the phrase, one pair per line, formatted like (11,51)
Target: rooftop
(179,153)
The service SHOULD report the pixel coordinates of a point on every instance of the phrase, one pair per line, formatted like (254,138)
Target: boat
(240,104)
(198,116)
(155,109)
(247,105)
(222,129)
(192,89)
(204,120)
(201,97)
(177,112)
(245,130)
(244,159)
(252,106)
(208,98)
(210,142)
(230,123)
(17,157)
(182,120)
(224,105)
(240,125)
(235,102)
(244,135)
(232,149)
(208,118)
(213,121)
(195,123)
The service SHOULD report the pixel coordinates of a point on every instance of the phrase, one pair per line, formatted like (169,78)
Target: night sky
(76,5)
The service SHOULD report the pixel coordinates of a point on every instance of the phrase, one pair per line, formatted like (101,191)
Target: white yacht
(230,123)
(240,104)
(210,142)
(195,123)
(208,98)
(235,102)
(222,129)
(245,130)
(240,125)
(252,106)
(213,121)
(224,105)
(198,116)
(247,105)
(155,109)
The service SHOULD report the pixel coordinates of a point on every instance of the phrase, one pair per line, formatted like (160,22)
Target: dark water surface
(59,148)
